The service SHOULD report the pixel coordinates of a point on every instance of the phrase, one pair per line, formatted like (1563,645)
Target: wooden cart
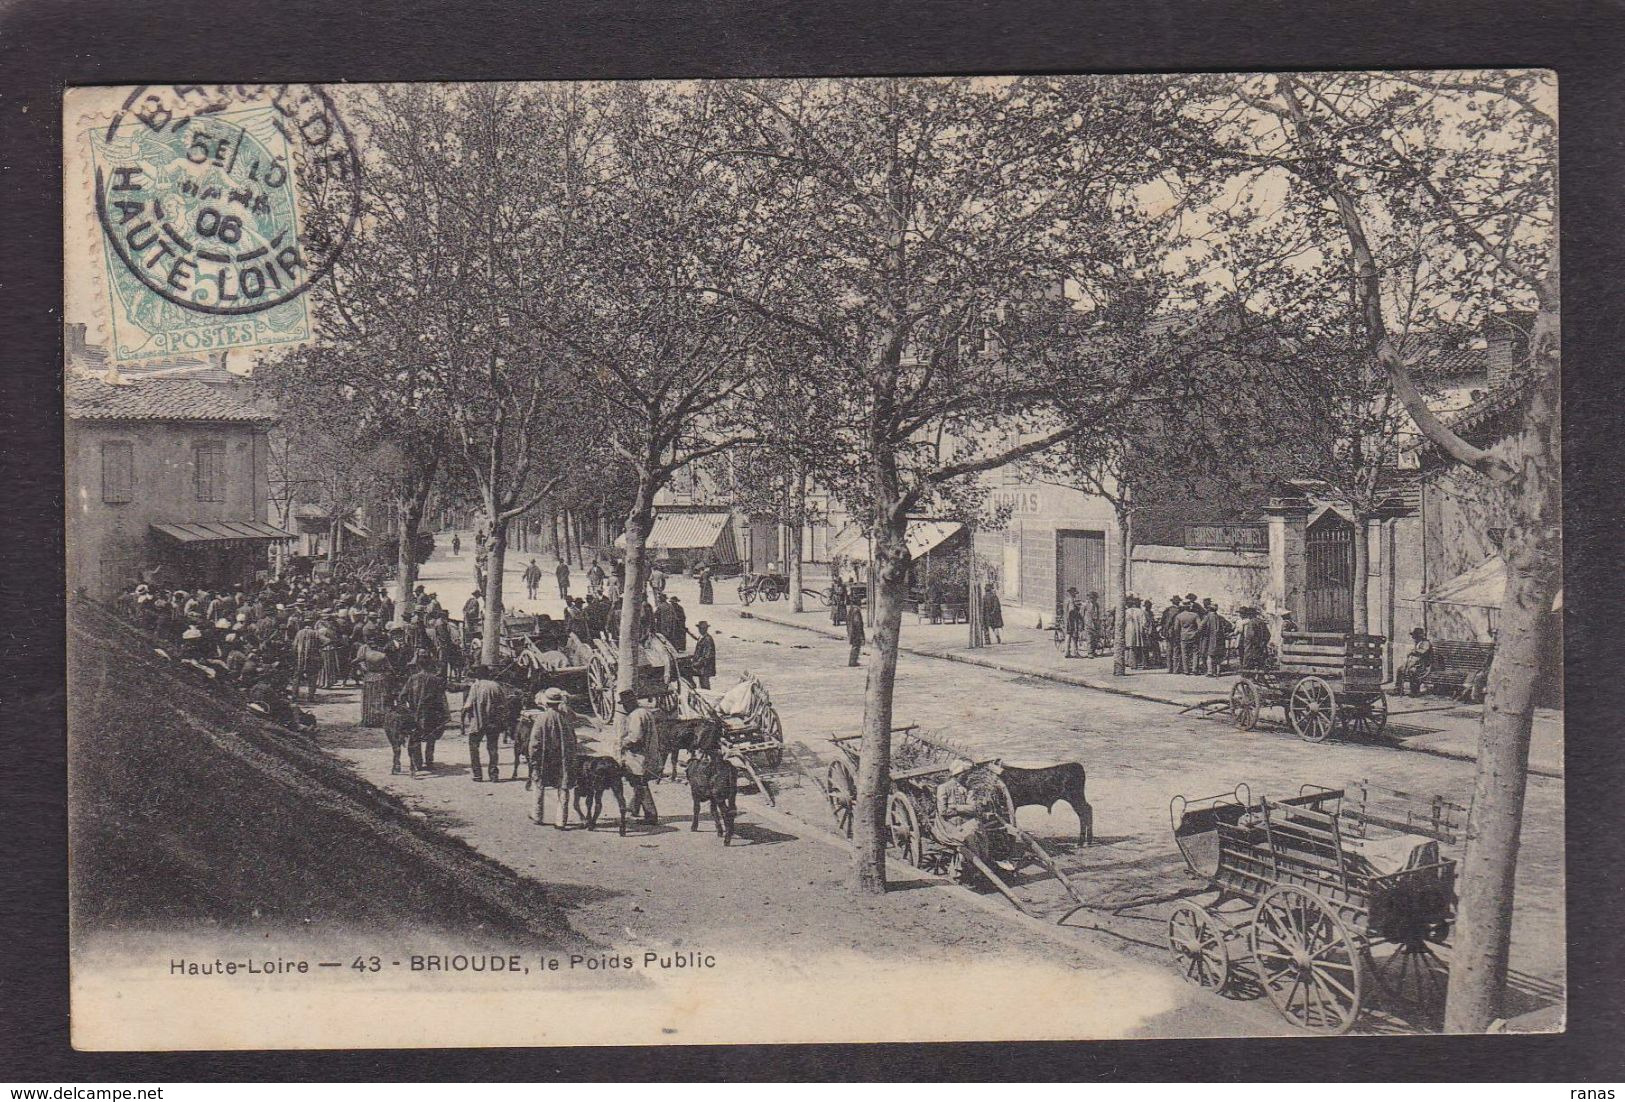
(919,765)
(1323,682)
(1328,892)
(752,736)
(768,586)
(661,672)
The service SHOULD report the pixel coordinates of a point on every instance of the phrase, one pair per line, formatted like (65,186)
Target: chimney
(1506,341)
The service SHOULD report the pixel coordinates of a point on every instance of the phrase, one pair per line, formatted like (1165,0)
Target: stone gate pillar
(1288,524)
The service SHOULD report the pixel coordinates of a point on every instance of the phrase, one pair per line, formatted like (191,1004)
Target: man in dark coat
(638,745)
(854,632)
(1170,638)
(424,697)
(1255,640)
(552,741)
(677,618)
(705,655)
(562,573)
(992,612)
(707,593)
(307,659)
(1187,627)
(485,717)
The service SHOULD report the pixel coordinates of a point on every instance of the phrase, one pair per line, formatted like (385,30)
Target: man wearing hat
(854,630)
(1254,640)
(424,696)
(307,659)
(1418,663)
(639,747)
(1075,623)
(705,655)
(553,749)
(485,716)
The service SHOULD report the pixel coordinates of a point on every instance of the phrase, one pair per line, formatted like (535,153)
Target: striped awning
(923,537)
(221,531)
(684,531)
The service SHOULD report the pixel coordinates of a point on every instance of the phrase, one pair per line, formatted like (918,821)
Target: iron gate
(1329,601)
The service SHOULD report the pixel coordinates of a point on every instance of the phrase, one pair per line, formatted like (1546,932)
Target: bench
(1455,663)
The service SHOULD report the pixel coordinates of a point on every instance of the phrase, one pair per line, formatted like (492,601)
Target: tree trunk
(496,550)
(639,520)
(333,531)
(410,512)
(799,519)
(553,525)
(1125,548)
(888,587)
(1362,576)
(1534,554)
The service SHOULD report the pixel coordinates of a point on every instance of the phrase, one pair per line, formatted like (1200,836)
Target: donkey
(712,777)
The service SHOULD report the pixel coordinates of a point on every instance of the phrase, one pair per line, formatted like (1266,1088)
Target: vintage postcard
(815,560)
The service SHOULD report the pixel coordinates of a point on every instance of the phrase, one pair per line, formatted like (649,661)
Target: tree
(913,220)
(1465,162)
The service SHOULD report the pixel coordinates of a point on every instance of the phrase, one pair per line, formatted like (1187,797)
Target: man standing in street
(485,715)
(854,632)
(552,756)
(1255,640)
(562,573)
(472,618)
(456,544)
(533,578)
(1075,623)
(677,622)
(639,746)
(1091,622)
(424,697)
(657,582)
(1187,628)
(1170,638)
(705,655)
(707,595)
(307,659)
(595,579)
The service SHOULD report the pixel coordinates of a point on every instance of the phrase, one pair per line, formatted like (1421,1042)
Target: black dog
(401,728)
(595,775)
(713,778)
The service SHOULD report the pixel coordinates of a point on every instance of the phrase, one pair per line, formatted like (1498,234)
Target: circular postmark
(227,199)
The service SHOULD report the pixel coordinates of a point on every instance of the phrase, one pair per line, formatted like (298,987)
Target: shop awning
(684,531)
(1482,586)
(221,531)
(923,537)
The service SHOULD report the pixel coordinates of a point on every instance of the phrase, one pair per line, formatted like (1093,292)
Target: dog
(401,728)
(713,779)
(595,775)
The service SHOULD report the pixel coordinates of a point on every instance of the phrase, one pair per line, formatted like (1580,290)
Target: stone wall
(1231,578)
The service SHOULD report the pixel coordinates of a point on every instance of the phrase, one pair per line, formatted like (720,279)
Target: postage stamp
(219,208)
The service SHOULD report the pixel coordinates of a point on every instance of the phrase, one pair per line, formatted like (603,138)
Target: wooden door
(1080,561)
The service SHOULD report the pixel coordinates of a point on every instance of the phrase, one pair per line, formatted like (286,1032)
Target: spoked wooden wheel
(1244,705)
(903,828)
(1370,718)
(1307,962)
(601,689)
(1198,944)
(746,593)
(1312,709)
(842,792)
(773,731)
(1412,978)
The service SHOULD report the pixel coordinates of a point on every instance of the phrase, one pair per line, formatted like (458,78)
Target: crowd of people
(283,639)
(1190,636)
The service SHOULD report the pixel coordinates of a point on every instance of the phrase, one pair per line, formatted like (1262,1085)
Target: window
(209,471)
(118,471)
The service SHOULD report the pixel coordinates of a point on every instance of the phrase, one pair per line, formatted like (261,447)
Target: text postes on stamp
(220,207)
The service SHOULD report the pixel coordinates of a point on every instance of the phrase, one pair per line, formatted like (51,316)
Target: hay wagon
(661,670)
(1329,892)
(1323,682)
(752,734)
(920,764)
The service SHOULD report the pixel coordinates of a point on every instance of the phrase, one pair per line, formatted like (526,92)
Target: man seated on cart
(959,811)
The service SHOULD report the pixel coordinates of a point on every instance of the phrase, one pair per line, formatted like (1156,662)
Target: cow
(1047,785)
(713,778)
(595,775)
(401,728)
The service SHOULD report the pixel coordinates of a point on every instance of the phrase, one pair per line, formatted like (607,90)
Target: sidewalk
(1428,725)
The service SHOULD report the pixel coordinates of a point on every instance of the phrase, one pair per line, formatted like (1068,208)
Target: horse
(713,778)
(595,775)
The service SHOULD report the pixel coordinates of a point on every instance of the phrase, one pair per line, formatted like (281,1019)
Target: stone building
(165,479)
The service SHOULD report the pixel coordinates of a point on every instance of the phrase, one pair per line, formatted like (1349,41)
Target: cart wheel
(1307,961)
(773,731)
(1412,979)
(903,827)
(1312,709)
(600,689)
(1199,945)
(746,594)
(842,792)
(1244,705)
(1372,718)
(773,593)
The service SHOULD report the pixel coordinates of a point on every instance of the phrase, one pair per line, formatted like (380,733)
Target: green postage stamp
(219,208)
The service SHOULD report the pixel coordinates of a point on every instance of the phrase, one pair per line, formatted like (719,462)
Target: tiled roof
(167,399)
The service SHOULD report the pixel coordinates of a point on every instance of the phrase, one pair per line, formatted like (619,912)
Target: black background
(48,44)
